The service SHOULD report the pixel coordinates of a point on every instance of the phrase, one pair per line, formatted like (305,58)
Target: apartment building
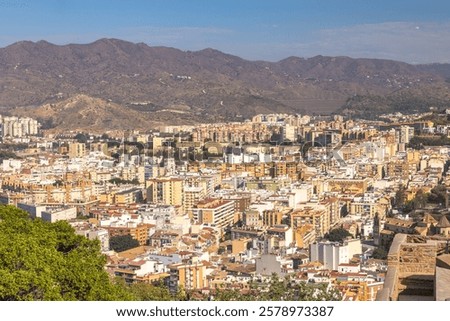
(165,191)
(77,150)
(218,212)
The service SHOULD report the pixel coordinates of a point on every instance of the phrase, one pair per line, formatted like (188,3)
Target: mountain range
(114,84)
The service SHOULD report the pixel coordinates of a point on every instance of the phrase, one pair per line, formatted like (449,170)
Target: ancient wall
(416,259)
(411,268)
(442,284)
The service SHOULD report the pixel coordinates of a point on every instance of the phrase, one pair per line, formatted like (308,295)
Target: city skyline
(131,171)
(411,31)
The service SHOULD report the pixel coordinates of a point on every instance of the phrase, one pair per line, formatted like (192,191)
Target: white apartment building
(217,212)
(332,254)
(18,126)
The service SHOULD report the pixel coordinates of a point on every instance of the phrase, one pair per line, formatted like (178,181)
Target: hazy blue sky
(415,31)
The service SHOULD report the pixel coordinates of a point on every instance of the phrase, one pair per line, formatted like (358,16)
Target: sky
(414,31)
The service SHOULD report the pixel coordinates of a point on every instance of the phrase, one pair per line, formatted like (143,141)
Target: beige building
(272,217)
(157,142)
(77,150)
(218,212)
(252,218)
(189,276)
(405,134)
(132,195)
(369,206)
(139,232)
(233,132)
(317,217)
(99,147)
(165,191)
(192,195)
(334,209)
(304,236)
(347,185)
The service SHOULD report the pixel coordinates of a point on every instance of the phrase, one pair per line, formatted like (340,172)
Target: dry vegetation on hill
(116,84)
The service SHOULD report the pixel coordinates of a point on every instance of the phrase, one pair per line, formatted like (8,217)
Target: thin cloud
(405,41)
(411,42)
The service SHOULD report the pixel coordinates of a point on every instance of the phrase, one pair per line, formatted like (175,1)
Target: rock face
(205,85)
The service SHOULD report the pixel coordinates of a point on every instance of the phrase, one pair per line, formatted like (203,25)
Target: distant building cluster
(229,204)
(17,127)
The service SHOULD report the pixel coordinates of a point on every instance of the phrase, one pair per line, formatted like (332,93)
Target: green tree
(438,194)
(379,253)
(420,200)
(120,181)
(383,172)
(278,289)
(48,261)
(6,154)
(122,243)
(400,196)
(289,289)
(337,234)
(228,295)
(150,292)
(81,138)
(281,289)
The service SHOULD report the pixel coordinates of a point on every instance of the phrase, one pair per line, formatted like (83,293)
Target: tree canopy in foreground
(48,261)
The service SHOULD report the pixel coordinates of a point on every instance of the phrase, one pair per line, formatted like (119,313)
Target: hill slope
(168,84)
(84,112)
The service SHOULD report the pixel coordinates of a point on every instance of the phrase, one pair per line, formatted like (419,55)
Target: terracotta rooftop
(443,222)
(399,222)
(137,263)
(427,218)
(132,253)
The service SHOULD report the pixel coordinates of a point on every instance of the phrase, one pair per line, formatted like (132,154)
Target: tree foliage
(122,243)
(6,154)
(417,142)
(337,235)
(280,289)
(120,181)
(400,197)
(419,201)
(438,194)
(148,292)
(81,138)
(379,253)
(48,261)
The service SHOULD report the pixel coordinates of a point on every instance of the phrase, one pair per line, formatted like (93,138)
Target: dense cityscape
(332,207)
